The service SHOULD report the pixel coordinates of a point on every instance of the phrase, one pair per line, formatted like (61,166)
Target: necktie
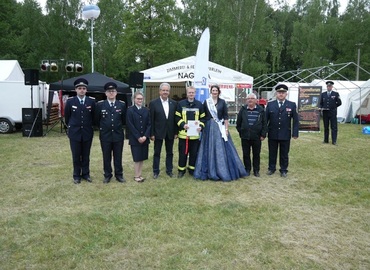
(329,94)
(280,104)
(82,102)
(112,104)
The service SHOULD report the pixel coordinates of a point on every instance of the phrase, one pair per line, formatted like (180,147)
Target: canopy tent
(179,73)
(11,71)
(183,70)
(95,88)
(96,84)
(359,103)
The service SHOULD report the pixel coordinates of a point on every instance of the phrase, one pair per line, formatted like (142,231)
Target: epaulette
(91,97)
(70,97)
(100,101)
(121,101)
(271,100)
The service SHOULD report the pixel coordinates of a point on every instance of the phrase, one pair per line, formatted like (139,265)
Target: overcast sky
(343,3)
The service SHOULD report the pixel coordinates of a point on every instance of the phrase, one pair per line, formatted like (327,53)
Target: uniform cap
(281,88)
(329,83)
(110,86)
(81,82)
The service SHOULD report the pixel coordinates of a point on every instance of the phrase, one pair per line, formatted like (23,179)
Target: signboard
(308,110)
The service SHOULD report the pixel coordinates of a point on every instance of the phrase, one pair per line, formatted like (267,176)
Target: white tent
(181,71)
(359,102)
(11,71)
(344,88)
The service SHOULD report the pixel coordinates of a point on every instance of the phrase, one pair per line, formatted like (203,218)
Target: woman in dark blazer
(138,125)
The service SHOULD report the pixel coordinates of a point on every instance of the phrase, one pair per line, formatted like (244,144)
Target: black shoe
(155,175)
(170,174)
(334,143)
(107,179)
(325,142)
(256,174)
(248,173)
(120,179)
(283,174)
(88,179)
(269,172)
(76,181)
(181,175)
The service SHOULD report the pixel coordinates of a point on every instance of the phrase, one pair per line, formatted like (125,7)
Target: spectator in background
(252,128)
(329,102)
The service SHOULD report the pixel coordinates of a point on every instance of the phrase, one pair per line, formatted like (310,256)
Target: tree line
(250,36)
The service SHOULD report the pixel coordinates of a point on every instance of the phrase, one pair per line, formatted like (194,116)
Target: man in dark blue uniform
(282,122)
(329,102)
(188,109)
(110,117)
(79,115)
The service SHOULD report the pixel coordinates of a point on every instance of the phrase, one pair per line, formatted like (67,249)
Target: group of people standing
(205,147)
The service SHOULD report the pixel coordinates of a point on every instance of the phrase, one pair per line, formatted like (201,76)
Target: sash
(212,109)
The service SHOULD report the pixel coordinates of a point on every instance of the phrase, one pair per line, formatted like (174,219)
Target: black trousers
(157,154)
(81,158)
(247,145)
(330,116)
(283,146)
(193,146)
(109,148)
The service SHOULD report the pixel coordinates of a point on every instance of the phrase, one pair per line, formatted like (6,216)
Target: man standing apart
(110,117)
(79,115)
(282,122)
(329,102)
(252,128)
(162,113)
(189,109)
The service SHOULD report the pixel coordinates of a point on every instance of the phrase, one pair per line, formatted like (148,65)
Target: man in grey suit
(162,113)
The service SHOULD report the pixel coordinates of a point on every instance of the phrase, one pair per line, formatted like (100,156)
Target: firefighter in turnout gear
(189,110)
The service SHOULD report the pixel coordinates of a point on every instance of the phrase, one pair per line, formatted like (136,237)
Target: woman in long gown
(217,157)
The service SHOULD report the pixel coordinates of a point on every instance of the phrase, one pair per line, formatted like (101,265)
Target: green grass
(317,218)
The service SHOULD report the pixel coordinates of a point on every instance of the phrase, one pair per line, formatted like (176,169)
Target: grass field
(316,218)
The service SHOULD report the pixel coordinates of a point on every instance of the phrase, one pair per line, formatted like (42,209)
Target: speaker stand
(63,126)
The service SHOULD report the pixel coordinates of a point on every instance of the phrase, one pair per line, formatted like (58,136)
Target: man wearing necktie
(110,118)
(79,116)
(163,128)
(283,124)
(329,102)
